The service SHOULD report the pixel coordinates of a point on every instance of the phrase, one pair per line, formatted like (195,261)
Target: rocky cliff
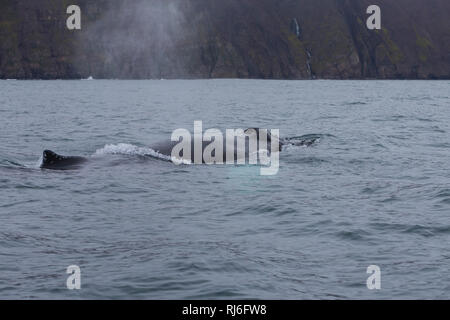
(276,39)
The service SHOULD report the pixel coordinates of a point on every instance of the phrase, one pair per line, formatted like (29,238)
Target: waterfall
(297,30)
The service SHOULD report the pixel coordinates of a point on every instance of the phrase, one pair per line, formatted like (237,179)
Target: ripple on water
(354,235)
(13,204)
(426,231)
(443,196)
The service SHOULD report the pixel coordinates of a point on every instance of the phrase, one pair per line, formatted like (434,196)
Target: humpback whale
(54,161)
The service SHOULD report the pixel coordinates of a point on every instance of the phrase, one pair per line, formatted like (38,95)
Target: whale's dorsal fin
(50,157)
(52,160)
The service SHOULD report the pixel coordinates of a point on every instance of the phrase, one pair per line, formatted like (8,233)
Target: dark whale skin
(53,161)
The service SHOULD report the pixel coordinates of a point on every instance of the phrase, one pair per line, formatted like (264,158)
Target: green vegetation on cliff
(225,39)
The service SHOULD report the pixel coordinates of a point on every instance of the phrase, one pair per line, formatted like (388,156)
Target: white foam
(293,147)
(130,149)
(38,164)
(298,144)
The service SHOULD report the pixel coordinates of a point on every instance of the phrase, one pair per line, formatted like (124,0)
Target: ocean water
(374,189)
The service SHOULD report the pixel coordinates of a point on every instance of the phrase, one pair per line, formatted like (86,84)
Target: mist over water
(137,39)
(372,189)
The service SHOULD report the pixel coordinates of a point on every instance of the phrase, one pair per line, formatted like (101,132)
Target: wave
(6,164)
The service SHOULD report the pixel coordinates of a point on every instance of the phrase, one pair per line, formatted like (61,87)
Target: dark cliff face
(291,39)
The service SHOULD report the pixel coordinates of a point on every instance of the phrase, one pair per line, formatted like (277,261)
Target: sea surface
(373,189)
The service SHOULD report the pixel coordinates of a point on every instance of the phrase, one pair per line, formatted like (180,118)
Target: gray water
(373,190)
